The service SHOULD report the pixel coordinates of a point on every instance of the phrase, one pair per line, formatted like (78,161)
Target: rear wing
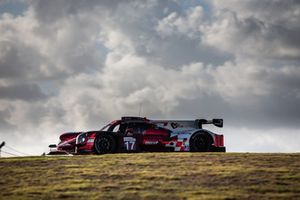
(176,124)
(216,122)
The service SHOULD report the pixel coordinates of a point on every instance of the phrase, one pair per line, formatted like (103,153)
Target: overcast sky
(73,65)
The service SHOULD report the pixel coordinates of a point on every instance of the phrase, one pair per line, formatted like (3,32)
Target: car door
(133,137)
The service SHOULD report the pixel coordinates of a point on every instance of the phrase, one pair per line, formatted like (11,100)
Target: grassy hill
(152,176)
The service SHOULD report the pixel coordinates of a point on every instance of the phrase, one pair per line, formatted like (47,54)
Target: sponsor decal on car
(151,142)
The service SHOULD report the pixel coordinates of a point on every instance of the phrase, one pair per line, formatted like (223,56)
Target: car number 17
(129,143)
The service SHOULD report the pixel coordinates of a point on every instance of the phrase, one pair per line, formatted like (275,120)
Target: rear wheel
(104,144)
(200,142)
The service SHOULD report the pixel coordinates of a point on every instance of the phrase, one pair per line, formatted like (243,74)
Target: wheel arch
(113,136)
(209,135)
(205,132)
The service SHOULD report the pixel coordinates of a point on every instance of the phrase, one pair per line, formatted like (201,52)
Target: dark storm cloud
(9,63)
(4,122)
(28,92)
(273,112)
(50,11)
(16,60)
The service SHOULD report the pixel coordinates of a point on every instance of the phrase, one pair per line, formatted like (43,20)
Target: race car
(138,134)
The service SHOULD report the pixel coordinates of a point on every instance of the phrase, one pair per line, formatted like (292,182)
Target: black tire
(200,142)
(104,143)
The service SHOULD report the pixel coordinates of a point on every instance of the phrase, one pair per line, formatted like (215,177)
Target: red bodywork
(134,134)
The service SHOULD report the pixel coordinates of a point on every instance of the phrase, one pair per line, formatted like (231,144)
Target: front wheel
(104,144)
(200,142)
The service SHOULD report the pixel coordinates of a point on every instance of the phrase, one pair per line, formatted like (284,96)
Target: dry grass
(152,176)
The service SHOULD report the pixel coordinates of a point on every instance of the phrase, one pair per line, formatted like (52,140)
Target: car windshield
(105,128)
(112,126)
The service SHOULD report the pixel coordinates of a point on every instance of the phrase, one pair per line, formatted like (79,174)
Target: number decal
(129,143)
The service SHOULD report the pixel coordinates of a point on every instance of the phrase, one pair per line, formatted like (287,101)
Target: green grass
(152,176)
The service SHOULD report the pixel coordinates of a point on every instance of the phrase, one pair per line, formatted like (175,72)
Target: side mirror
(52,146)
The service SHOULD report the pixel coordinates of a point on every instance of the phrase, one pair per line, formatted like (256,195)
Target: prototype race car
(137,134)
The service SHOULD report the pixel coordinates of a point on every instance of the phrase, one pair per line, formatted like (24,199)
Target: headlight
(81,138)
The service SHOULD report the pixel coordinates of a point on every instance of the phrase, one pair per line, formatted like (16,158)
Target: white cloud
(186,25)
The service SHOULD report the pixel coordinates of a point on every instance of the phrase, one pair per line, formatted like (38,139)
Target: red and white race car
(137,134)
